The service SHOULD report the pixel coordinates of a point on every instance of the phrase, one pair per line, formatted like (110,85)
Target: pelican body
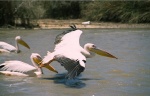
(7,48)
(70,54)
(86,23)
(19,68)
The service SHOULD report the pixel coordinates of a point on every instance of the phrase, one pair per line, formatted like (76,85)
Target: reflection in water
(74,83)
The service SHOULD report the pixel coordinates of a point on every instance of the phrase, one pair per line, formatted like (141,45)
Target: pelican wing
(69,38)
(6,46)
(74,67)
(17,66)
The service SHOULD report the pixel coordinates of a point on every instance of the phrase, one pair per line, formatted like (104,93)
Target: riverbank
(59,24)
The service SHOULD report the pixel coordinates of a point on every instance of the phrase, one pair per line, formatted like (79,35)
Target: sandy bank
(58,24)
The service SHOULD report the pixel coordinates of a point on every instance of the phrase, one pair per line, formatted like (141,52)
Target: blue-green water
(127,76)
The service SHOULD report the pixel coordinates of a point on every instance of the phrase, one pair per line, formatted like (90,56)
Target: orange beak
(45,65)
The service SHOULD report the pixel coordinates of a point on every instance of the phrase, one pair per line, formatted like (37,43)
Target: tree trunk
(6,13)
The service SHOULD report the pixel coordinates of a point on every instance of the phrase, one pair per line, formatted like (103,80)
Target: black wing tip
(59,36)
(73,26)
(1,66)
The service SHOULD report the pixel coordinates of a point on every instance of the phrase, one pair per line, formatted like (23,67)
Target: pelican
(7,48)
(70,54)
(19,68)
(86,23)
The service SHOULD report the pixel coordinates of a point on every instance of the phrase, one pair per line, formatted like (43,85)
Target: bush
(63,10)
(117,11)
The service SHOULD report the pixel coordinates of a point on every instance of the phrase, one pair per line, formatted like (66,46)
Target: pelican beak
(102,53)
(47,66)
(23,43)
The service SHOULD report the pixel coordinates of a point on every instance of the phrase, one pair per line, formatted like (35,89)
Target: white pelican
(19,68)
(86,23)
(70,54)
(5,47)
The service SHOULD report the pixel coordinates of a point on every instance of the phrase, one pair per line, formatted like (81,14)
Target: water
(127,76)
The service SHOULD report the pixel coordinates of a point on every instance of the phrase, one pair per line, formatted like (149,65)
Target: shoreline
(62,24)
(91,26)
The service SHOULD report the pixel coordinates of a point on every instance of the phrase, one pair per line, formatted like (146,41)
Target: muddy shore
(59,24)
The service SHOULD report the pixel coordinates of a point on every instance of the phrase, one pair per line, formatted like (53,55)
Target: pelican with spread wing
(70,54)
(5,47)
(19,68)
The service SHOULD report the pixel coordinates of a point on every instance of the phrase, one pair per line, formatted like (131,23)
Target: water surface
(127,76)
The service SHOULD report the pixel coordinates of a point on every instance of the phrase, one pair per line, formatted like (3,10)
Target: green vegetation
(100,11)
(118,11)
(62,10)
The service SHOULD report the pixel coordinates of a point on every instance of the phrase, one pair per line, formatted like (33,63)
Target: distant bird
(70,54)
(19,68)
(7,48)
(86,23)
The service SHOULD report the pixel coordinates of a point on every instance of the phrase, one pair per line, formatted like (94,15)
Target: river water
(129,75)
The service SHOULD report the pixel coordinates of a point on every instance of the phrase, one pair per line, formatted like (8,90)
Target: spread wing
(74,67)
(69,38)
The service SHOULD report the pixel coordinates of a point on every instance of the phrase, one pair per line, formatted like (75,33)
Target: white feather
(70,54)
(67,52)
(70,40)
(19,68)
(86,23)
(6,46)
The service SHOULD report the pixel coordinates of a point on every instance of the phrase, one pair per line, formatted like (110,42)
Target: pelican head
(22,42)
(93,49)
(37,59)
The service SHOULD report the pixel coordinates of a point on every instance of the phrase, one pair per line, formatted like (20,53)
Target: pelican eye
(84,61)
(93,46)
(38,57)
